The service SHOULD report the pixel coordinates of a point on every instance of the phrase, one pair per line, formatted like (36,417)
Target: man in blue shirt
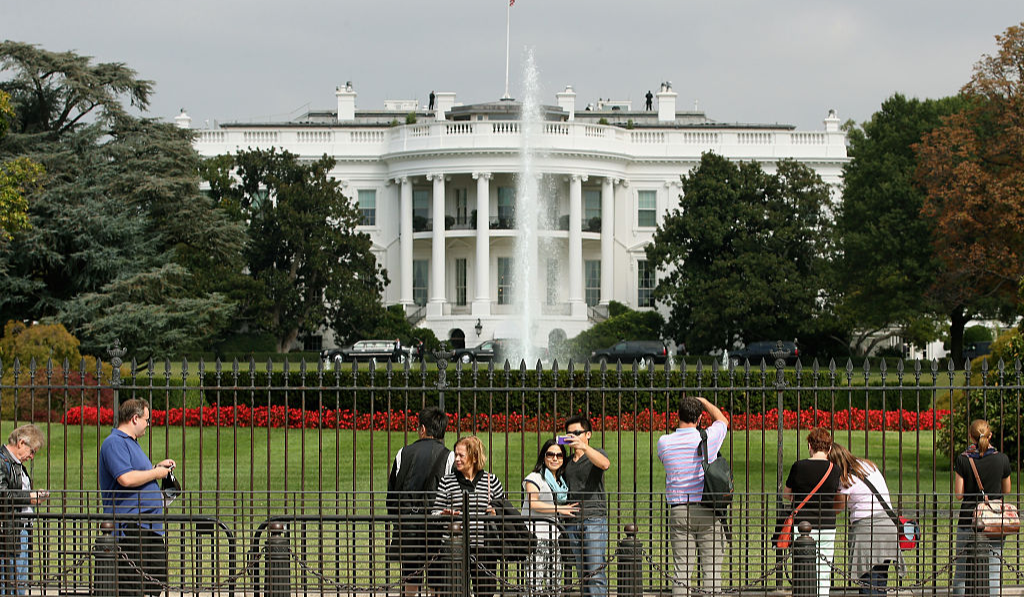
(130,487)
(695,531)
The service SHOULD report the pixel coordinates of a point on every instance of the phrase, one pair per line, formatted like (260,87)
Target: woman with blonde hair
(817,480)
(874,544)
(980,459)
(482,488)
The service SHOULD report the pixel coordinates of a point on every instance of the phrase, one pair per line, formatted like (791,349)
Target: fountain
(526,276)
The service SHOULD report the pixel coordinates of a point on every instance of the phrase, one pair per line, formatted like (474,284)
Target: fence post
(106,562)
(629,557)
(805,560)
(278,562)
(116,355)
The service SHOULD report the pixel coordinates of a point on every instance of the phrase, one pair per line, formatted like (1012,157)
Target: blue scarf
(558,487)
(973,452)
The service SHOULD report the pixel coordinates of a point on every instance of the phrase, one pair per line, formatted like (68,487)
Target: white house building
(439,196)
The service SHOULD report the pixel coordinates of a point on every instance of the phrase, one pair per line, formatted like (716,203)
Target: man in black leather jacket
(415,473)
(17,499)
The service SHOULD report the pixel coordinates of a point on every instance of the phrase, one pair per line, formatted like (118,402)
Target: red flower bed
(645,420)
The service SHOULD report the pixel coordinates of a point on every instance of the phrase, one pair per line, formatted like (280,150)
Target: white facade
(438,196)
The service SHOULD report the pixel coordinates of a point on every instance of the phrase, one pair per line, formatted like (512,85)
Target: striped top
(483,489)
(680,454)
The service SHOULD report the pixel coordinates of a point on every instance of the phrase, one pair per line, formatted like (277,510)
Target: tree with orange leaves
(972,169)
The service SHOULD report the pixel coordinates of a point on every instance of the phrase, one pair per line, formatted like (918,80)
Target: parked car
(496,350)
(646,352)
(977,349)
(364,351)
(756,351)
(480,353)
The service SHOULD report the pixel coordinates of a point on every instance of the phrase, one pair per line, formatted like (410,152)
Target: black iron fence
(230,543)
(300,454)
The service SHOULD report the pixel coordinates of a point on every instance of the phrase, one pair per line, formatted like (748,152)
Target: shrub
(43,394)
(39,341)
(410,118)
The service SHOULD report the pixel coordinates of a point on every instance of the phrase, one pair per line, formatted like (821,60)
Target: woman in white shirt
(874,544)
(545,497)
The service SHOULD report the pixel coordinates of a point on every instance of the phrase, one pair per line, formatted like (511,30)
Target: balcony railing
(577,136)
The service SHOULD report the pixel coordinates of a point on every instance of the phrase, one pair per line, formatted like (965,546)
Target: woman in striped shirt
(481,487)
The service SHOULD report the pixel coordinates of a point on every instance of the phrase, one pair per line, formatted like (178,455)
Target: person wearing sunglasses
(16,499)
(587,534)
(545,498)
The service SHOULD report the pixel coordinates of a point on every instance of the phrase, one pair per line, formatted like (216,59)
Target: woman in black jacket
(994,469)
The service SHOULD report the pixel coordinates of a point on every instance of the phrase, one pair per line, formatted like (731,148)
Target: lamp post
(479,327)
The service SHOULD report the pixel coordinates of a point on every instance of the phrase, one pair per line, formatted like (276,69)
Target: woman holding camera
(482,488)
(545,497)
(993,467)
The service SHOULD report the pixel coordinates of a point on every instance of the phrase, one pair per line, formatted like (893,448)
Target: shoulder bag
(508,535)
(785,534)
(718,480)
(908,529)
(993,518)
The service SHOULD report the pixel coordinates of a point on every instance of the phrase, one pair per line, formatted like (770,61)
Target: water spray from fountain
(526,271)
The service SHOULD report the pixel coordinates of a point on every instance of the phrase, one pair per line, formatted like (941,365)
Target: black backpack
(718,482)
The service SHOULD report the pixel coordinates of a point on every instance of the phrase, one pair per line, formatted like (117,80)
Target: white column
(405,242)
(577,306)
(435,307)
(482,300)
(607,238)
(671,201)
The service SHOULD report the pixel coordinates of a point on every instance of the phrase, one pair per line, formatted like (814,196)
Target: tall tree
(121,200)
(17,177)
(886,262)
(972,168)
(310,265)
(743,257)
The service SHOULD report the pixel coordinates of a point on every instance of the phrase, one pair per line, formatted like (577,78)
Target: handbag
(508,535)
(908,529)
(993,518)
(784,537)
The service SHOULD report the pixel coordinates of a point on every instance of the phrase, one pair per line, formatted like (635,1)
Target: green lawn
(245,459)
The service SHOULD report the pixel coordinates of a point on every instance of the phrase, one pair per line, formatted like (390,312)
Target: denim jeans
(588,540)
(990,549)
(15,573)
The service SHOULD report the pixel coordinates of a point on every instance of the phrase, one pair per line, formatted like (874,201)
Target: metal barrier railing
(262,545)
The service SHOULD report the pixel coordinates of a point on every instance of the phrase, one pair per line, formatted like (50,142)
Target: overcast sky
(784,61)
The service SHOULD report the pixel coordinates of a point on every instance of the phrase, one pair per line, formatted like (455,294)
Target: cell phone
(564,440)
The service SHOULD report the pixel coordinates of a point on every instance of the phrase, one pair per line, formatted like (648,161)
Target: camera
(564,440)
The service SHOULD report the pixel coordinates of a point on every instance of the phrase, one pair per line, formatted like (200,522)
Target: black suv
(647,352)
(755,351)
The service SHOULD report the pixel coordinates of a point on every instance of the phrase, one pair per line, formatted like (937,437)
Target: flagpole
(508,30)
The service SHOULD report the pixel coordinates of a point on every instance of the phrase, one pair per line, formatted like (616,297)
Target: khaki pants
(697,534)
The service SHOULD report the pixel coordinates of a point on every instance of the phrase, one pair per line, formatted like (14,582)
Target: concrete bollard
(805,560)
(105,553)
(278,561)
(453,564)
(976,583)
(629,561)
